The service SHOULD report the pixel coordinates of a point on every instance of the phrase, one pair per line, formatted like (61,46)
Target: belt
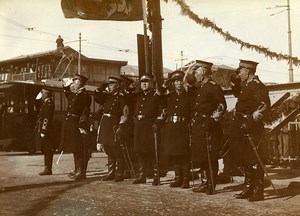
(109,115)
(202,116)
(176,119)
(139,117)
(73,115)
(242,114)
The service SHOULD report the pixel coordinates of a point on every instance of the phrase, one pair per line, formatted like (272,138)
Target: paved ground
(23,192)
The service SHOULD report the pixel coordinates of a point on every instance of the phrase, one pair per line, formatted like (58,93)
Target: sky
(249,21)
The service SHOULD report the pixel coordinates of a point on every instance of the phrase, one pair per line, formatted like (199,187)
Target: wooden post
(157,62)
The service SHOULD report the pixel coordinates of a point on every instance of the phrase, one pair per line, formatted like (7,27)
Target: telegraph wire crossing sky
(32,26)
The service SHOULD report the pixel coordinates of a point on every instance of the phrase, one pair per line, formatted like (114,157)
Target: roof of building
(66,50)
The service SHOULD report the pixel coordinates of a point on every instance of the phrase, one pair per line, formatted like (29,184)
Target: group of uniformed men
(180,119)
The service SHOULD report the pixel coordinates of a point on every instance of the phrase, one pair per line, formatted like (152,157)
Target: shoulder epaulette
(212,82)
(256,80)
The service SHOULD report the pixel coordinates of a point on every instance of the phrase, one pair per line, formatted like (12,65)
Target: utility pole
(79,54)
(181,59)
(291,76)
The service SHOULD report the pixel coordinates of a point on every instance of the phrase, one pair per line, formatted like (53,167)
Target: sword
(132,172)
(192,164)
(125,153)
(156,156)
(250,138)
(209,162)
(193,178)
(57,162)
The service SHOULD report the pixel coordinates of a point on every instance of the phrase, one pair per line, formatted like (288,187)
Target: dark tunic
(175,132)
(113,105)
(249,98)
(77,116)
(146,110)
(45,126)
(207,98)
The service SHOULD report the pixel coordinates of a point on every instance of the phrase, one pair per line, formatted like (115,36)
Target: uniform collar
(47,99)
(147,91)
(79,90)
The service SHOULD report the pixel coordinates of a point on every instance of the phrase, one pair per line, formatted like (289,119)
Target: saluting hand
(68,82)
(257,115)
(82,131)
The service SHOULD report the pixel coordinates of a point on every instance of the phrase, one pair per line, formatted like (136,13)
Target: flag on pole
(118,10)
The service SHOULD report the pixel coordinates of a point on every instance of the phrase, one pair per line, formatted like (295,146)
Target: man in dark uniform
(206,133)
(115,113)
(253,103)
(44,129)
(175,132)
(147,109)
(127,135)
(76,125)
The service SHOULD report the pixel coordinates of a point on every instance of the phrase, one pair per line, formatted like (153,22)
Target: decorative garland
(205,22)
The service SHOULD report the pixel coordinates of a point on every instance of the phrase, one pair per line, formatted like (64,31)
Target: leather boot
(142,175)
(127,174)
(81,174)
(178,177)
(76,169)
(249,186)
(156,179)
(119,170)
(211,186)
(203,186)
(48,165)
(186,174)
(87,156)
(258,193)
(111,170)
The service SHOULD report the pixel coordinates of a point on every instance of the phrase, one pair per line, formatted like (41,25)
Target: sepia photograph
(149,107)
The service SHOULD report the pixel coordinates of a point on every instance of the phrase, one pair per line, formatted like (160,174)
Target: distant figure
(59,42)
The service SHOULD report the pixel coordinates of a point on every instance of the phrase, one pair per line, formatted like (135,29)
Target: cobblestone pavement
(23,192)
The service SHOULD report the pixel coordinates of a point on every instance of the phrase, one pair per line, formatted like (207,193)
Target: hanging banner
(118,10)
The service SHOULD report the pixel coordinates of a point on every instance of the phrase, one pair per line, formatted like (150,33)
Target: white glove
(99,147)
(123,119)
(82,131)
(257,116)
(216,115)
(42,135)
(68,82)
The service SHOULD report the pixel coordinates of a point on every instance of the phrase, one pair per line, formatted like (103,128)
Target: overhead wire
(89,44)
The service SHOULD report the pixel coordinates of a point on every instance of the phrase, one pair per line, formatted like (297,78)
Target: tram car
(21,79)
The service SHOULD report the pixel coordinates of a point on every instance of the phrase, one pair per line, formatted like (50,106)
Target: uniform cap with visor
(247,64)
(80,77)
(177,75)
(40,94)
(114,79)
(200,65)
(146,77)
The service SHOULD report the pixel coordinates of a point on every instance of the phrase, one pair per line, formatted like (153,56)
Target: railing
(33,76)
